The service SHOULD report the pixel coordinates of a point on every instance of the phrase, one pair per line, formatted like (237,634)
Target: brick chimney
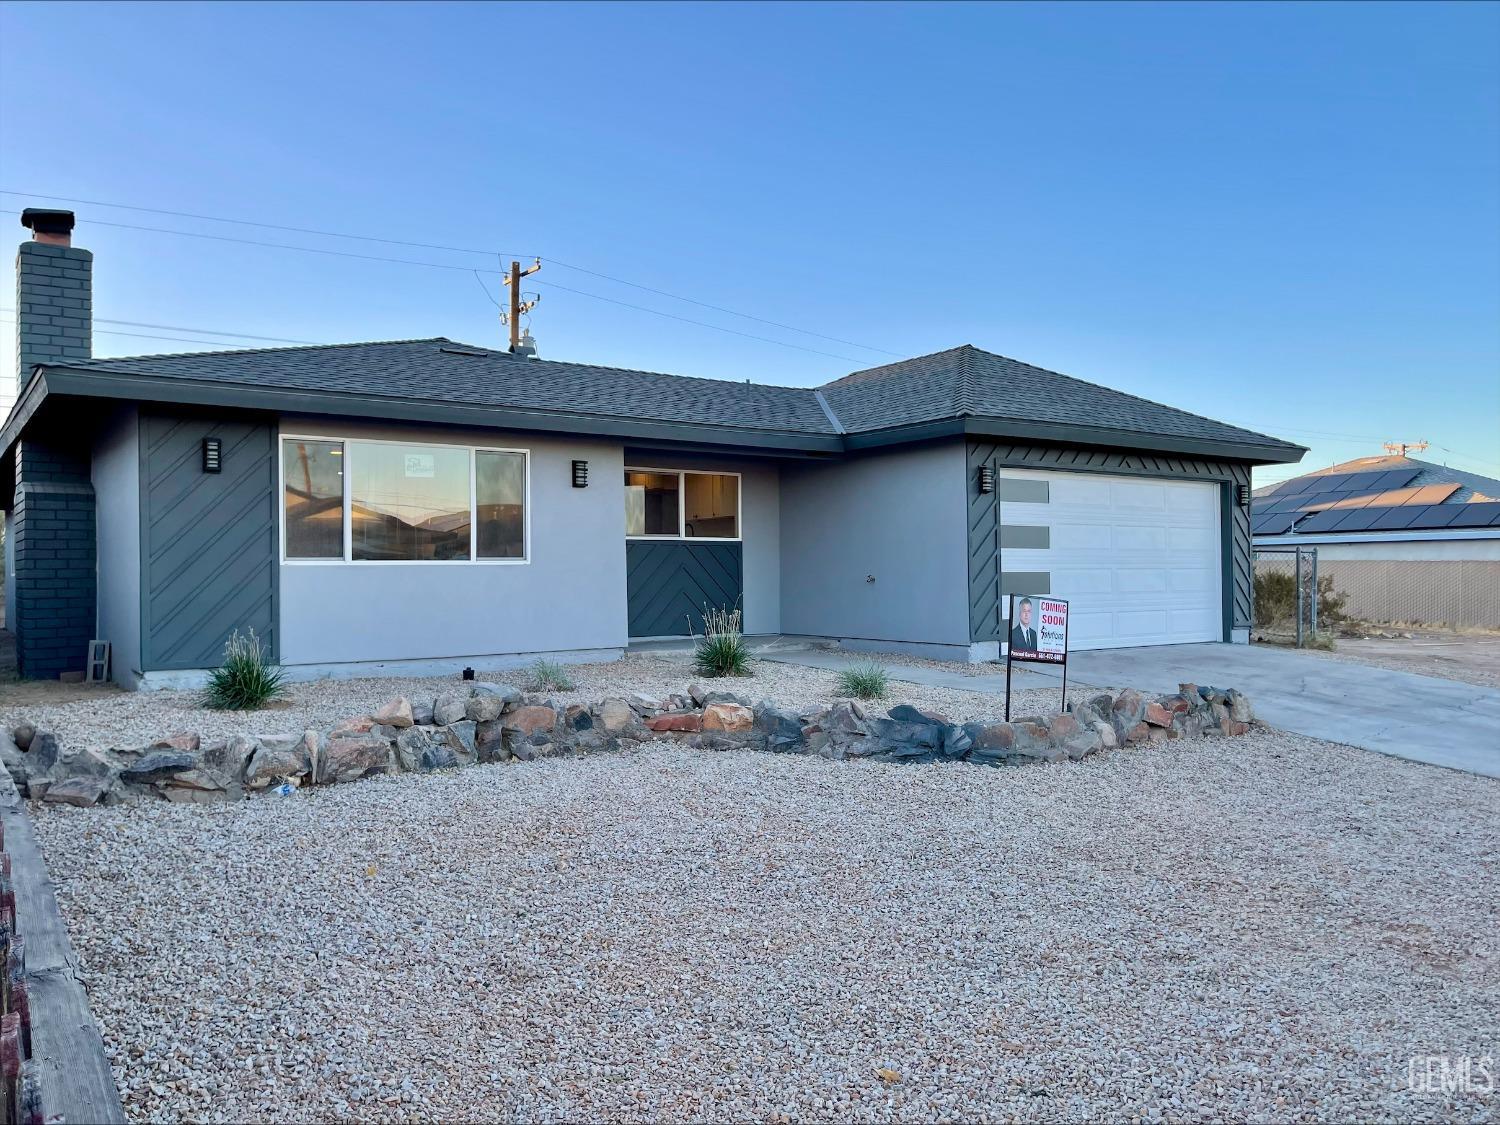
(54,294)
(50,546)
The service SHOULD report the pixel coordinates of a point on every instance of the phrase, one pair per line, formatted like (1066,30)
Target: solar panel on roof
(1393,518)
(1398,478)
(1321,521)
(1483,514)
(1357,519)
(1435,516)
(1273,523)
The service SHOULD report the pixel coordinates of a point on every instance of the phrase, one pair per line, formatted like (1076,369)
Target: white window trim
(348,559)
(682,475)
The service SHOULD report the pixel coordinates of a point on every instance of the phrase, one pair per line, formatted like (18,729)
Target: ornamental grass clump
(721,650)
(863,681)
(549,675)
(246,680)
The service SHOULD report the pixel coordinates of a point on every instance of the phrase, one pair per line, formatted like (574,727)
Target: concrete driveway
(1422,718)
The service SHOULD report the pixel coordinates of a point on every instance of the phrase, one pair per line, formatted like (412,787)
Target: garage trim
(984,547)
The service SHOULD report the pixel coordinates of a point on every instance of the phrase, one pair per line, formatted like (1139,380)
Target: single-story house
(1406,540)
(422,505)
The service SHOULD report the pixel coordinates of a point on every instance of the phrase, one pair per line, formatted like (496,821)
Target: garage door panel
(1139,560)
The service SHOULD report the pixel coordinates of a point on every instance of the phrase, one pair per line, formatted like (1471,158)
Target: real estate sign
(1038,635)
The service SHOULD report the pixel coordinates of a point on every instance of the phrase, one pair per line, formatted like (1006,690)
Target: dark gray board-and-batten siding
(984,518)
(209,541)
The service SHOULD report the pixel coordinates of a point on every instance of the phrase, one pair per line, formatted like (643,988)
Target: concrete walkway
(1420,718)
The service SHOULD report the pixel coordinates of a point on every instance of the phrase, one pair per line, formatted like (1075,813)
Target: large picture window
(378,501)
(674,504)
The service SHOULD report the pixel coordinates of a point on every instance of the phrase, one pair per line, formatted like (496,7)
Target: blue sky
(1282,216)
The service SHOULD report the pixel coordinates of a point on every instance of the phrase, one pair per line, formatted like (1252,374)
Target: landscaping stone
(1239,707)
(271,763)
(1157,715)
(615,715)
(351,758)
(421,713)
(727,715)
(438,756)
(80,791)
(360,724)
(676,721)
(461,738)
(644,704)
(490,741)
(411,744)
(229,758)
(186,741)
(44,752)
(696,692)
(158,764)
(578,718)
(449,709)
(782,729)
(483,706)
(727,697)
(531,718)
(397,713)
(509,696)
(22,735)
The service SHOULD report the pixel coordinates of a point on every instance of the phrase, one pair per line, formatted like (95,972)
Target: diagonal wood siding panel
(984,516)
(209,543)
(669,582)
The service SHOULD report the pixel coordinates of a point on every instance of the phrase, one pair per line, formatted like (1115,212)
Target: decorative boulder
(615,715)
(23,733)
(676,721)
(157,765)
(397,713)
(510,697)
(421,713)
(1157,715)
(990,743)
(229,759)
(644,704)
(186,741)
(730,717)
(410,744)
(448,709)
(578,718)
(490,741)
(726,697)
(79,791)
(460,737)
(1239,708)
(349,759)
(483,706)
(361,724)
(782,729)
(44,752)
(531,719)
(272,762)
(696,692)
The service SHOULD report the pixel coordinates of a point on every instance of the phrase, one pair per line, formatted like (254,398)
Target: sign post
(1038,635)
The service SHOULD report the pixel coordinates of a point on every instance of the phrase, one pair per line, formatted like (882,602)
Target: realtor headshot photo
(1022,633)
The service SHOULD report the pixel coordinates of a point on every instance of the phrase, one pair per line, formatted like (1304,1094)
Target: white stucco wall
(900,517)
(568,598)
(117,522)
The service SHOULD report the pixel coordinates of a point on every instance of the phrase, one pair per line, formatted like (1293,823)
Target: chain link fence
(1287,596)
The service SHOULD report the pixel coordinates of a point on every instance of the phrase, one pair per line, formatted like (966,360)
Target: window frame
(682,535)
(347,443)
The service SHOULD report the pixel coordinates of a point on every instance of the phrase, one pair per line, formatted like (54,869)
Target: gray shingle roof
(461,373)
(952,385)
(969,382)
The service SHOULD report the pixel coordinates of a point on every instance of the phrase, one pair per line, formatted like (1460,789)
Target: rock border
(495,722)
(62,1072)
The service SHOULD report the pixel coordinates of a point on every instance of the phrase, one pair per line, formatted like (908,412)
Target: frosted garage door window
(500,484)
(408,503)
(312,479)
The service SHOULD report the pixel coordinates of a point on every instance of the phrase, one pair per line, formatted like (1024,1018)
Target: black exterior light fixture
(580,474)
(1242,495)
(213,455)
(986,479)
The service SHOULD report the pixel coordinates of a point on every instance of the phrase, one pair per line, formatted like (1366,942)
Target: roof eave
(1056,433)
(149,388)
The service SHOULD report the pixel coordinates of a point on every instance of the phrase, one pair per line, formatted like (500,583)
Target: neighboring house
(1406,540)
(420,505)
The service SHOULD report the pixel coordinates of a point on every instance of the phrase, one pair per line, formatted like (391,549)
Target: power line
(168,339)
(183,328)
(464,269)
(462,250)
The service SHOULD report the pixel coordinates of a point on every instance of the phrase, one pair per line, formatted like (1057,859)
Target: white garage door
(1139,560)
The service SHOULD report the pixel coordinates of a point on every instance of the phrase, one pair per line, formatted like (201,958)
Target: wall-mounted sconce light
(986,479)
(580,474)
(213,455)
(1242,495)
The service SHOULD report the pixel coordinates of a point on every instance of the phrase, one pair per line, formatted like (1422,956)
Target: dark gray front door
(668,584)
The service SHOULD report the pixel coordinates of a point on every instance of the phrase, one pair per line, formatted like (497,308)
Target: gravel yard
(1262,928)
(110,718)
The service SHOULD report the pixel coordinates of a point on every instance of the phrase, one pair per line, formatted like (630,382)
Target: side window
(312,474)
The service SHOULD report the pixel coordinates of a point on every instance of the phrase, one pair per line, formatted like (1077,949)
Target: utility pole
(1400,448)
(518,306)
